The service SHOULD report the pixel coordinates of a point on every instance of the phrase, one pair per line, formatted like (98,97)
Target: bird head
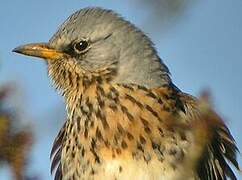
(94,42)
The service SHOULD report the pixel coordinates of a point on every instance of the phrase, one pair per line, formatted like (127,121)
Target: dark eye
(81,46)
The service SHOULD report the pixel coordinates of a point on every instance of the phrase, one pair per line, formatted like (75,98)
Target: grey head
(96,38)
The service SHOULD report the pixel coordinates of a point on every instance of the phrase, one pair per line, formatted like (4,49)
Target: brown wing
(220,147)
(55,154)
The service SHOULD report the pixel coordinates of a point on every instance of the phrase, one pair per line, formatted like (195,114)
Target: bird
(126,119)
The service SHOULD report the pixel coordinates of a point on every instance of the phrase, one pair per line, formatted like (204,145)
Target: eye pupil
(81,46)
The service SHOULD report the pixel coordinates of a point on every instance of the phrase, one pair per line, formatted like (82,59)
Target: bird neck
(139,62)
(73,82)
(150,72)
(84,91)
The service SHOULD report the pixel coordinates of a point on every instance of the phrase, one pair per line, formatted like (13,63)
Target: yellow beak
(41,50)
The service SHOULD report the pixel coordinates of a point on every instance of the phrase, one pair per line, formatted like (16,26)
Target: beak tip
(19,49)
(16,50)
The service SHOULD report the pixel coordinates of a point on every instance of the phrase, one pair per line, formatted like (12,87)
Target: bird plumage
(125,117)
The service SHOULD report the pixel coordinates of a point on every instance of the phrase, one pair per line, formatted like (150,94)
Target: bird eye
(81,46)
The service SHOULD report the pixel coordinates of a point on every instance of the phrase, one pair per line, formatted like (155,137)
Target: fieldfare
(126,120)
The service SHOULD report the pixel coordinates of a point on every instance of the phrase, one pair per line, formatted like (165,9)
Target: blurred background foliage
(163,12)
(15,140)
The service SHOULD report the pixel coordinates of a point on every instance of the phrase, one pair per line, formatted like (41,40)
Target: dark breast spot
(120,169)
(142,139)
(153,112)
(125,111)
(134,101)
(130,136)
(124,144)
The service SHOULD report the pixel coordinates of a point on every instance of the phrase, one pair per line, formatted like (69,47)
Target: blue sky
(203,49)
